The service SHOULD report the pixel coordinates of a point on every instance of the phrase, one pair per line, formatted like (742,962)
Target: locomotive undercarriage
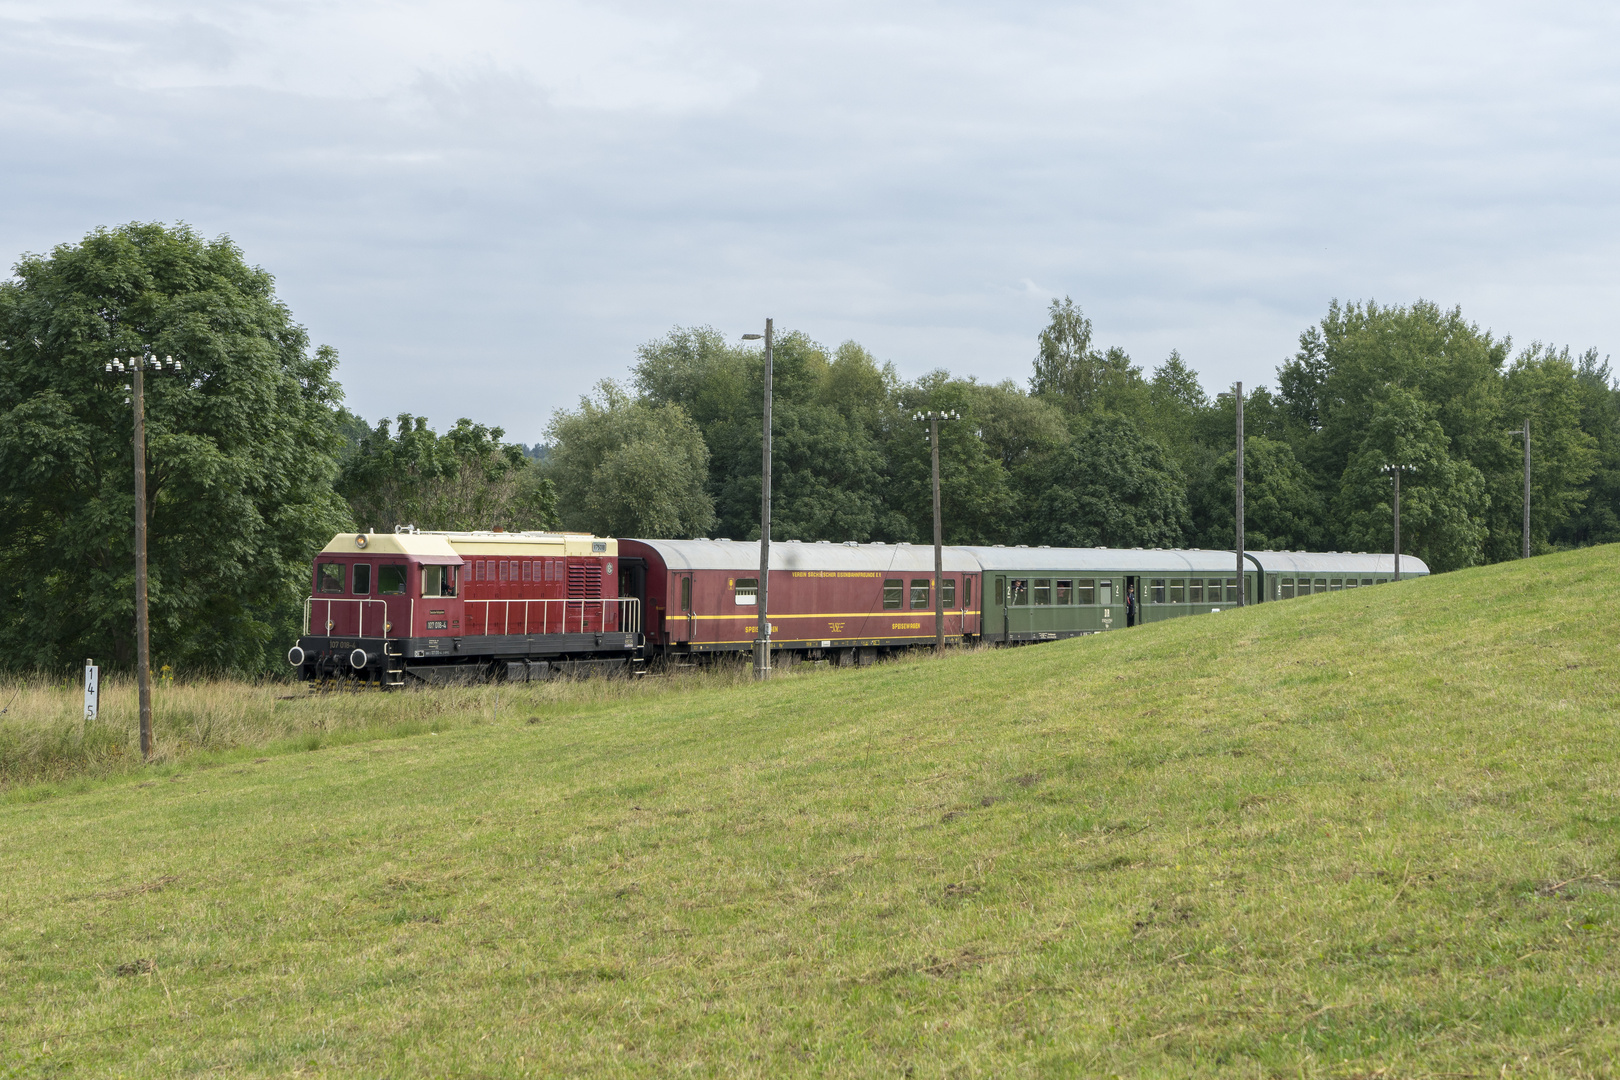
(394,663)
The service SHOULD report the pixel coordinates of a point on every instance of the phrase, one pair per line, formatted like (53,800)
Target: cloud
(487,205)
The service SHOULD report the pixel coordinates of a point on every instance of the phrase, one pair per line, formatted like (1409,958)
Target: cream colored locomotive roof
(450,545)
(423,544)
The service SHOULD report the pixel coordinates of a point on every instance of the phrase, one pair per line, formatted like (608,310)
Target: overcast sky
(485,206)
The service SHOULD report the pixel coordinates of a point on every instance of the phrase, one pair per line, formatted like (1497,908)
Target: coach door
(681,619)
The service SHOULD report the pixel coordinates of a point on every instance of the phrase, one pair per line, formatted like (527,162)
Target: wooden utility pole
(143,644)
(1239,396)
(1395,471)
(934,417)
(762,642)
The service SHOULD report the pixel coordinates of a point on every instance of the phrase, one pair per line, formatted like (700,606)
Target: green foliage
(629,468)
(467,478)
(1071,372)
(1542,386)
(1110,486)
(1282,511)
(241,453)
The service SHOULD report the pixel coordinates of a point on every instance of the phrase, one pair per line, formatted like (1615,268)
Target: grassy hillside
(1371,833)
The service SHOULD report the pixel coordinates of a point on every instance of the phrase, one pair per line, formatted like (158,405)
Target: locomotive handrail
(571,616)
(311,601)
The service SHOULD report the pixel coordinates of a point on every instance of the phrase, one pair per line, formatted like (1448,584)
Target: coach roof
(1105,560)
(1336,562)
(740,556)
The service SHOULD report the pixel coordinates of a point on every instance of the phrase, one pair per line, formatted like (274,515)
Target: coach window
(432,581)
(746,590)
(894,593)
(1043,591)
(1349,582)
(1065,592)
(1156,591)
(331,577)
(1001,591)
(1231,590)
(1336,584)
(920,588)
(1383,581)
(362,579)
(1105,593)
(1195,590)
(686,594)
(1287,588)
(947,592)
(1366,581)
(1178,590)
(1085,591)
(391,579)
(1321,584)
(1018,592)
(967,593)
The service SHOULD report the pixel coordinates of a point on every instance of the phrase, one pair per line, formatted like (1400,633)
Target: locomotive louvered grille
(584,581)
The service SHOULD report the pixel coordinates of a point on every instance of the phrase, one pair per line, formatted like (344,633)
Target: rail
(380,623)
(551,616)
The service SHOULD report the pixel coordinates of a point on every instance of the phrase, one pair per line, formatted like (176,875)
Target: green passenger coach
(1042,594)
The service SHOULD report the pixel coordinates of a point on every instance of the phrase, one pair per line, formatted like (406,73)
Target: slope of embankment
(1371,833)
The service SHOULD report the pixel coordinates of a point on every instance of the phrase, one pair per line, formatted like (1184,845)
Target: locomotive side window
(478,570)
(391,579)
(920,588)
(1018,592)
(1065,592)
(432,581)
(1043,591)
(894,590)
(747,590)
(330,577)
(505,567)
(362,579)
(526,571)
(947,592)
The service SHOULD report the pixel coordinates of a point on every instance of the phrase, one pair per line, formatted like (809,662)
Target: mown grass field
(1365,834)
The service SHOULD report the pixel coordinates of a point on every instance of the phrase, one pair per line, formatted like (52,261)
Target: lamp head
(752,337)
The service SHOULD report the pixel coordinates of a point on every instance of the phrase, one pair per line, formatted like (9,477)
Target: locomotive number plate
(437,624)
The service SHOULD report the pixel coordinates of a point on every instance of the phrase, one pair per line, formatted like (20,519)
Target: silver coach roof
(1104,560)
(742,556)
(1329,562)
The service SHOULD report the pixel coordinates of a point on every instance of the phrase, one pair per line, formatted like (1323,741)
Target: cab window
(432,581)
(329,577)
(391,579)
(362,579)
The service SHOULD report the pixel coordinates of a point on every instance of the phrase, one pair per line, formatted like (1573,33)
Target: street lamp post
(134,367)
(934,417)
(1395,471)
(762,644)
(1526,433)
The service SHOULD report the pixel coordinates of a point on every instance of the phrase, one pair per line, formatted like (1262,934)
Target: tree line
(254,461)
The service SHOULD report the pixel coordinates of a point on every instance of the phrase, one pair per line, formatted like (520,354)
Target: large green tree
(241,453)
(1110,486)
(624,467)
(468,478)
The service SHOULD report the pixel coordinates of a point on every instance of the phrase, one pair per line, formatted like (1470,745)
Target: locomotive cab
(375,598)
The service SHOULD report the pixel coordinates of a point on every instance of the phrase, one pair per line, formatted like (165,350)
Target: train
(418,607)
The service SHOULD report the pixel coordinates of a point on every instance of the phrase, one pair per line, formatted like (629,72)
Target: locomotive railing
(379,622)
(551,616)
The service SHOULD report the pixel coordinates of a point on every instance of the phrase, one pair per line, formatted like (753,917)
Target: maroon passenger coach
(840,602)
